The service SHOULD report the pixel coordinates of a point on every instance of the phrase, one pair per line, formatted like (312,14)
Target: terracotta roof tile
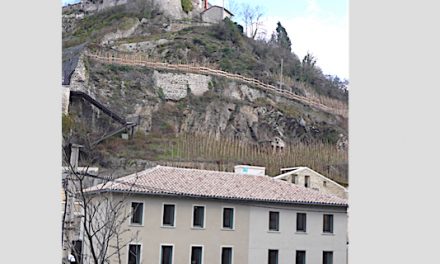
(215,184)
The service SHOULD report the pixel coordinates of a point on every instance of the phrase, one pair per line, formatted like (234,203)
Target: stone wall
(175,86)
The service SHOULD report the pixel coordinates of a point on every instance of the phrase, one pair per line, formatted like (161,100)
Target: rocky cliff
(171,104)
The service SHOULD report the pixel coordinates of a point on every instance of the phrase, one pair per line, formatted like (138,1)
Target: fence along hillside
(140,60)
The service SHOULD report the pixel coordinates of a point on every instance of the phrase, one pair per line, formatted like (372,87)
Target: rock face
(176,86)
(121,33)
(166,102)
(170,8)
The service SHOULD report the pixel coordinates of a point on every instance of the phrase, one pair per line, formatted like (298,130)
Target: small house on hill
(215,14)
(309,178)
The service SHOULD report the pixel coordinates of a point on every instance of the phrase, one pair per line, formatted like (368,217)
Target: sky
(316,26)
(319,27)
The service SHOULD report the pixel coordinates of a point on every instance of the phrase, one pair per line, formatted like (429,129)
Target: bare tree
(252,17)
(98,217)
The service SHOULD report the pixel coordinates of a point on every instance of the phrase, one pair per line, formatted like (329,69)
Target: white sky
(313,29)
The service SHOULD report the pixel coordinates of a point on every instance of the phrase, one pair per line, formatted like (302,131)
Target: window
(137,212)
(196,255)
(294,179)
(300,257)
(307,181)
(274,221)
(199,216)
(228,218)
(301,222)
(273,256)
(324,183)
(168,215)
(327,257)
(134,254)
(226,255)
(77,250)
(328,223)
(166,254)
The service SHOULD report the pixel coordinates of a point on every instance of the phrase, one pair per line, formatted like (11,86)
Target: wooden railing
(140,60)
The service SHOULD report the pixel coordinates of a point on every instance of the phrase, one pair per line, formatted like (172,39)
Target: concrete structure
(309,178)
(65,99)
(251,205)
(250,170)
(215,14)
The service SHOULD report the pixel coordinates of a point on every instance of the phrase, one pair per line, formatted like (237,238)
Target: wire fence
(322,103)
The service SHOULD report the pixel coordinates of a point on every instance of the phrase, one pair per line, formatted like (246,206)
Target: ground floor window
(134,254)
(273,256)
(196,255)
(327,257)
(300,257)
(166,254)
(226,255)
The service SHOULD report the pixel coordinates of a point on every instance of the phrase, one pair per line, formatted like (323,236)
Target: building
(180,216)
(309,178)
(215,14)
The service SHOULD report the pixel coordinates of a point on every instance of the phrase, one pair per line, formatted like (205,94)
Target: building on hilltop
(215,14)
(201,216)
(309,178)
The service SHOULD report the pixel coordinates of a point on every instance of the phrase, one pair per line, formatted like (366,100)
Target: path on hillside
(138,60)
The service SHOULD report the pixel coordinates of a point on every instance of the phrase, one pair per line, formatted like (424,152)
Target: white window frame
(128,250)
(160,252)
(203,252)
(221,251)
(204,216)
(131,213)
(233,218)
(163,211)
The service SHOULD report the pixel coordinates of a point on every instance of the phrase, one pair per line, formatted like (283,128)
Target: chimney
(74,156)
(250,170)
(206,4)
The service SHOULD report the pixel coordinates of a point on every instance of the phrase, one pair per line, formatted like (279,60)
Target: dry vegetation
(202,151)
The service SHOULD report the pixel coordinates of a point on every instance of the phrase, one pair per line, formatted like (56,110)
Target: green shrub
(187,5)
(160,93)
(67,124)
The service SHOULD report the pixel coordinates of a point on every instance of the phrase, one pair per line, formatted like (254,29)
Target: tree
(308,68)
(97,215)
(281,38)
(187,5)
(252,18)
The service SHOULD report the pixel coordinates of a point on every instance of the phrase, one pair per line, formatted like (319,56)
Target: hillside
(191,119)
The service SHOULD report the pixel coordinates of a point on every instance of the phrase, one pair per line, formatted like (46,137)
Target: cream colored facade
(250,237)
(287,240)
(316,181)
(151,235)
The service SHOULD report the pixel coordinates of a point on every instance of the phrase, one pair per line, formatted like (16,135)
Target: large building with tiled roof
(179,216)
